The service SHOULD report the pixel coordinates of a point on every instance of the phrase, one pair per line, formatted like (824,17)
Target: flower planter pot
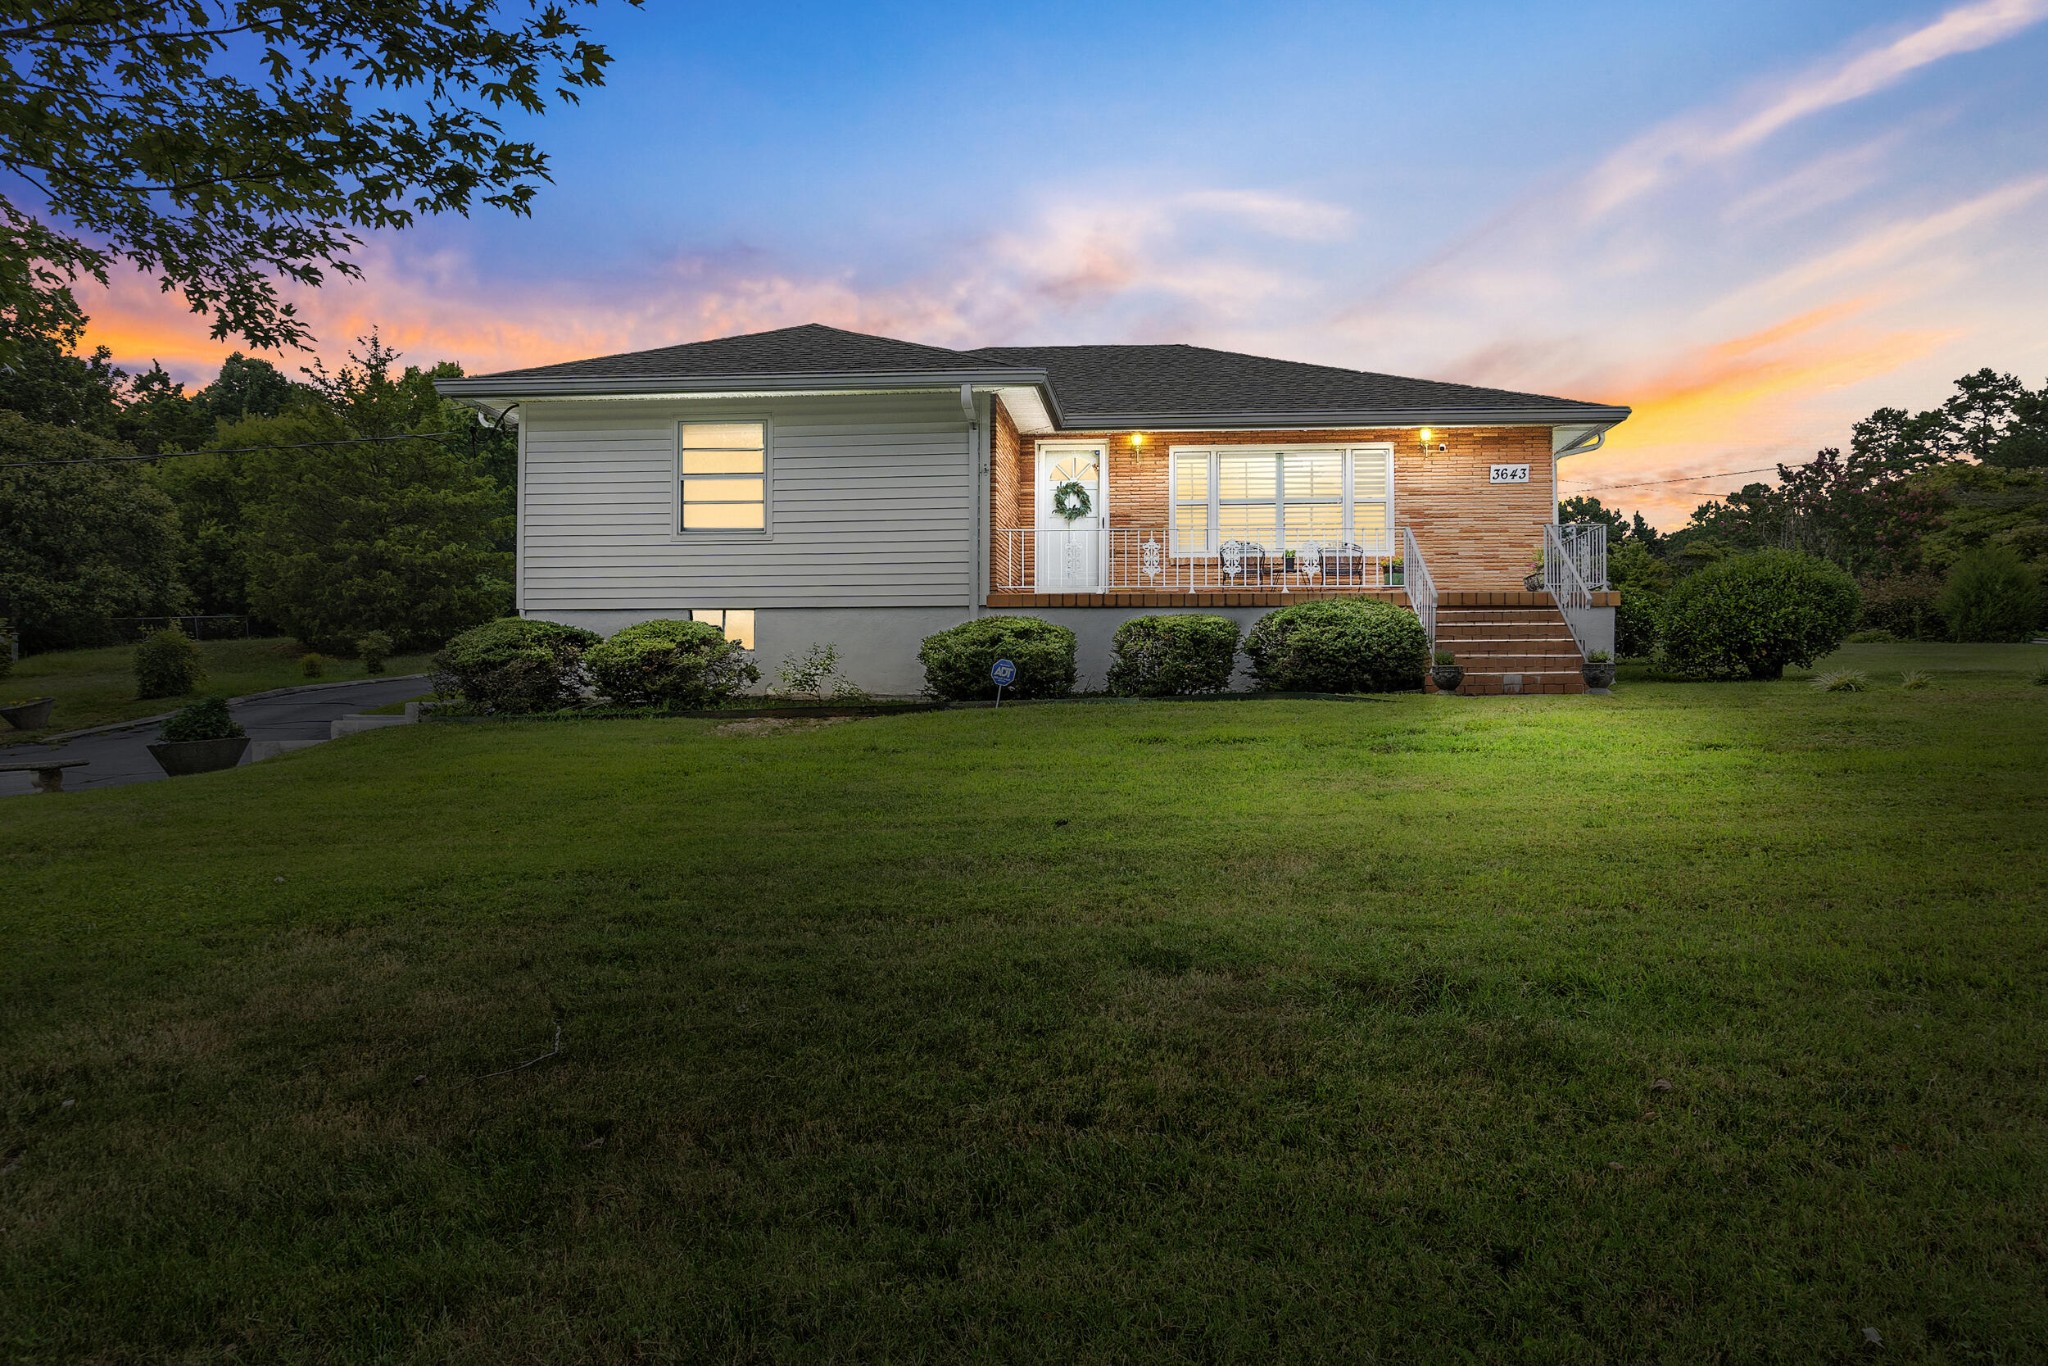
(178,758)
(1599,675)
(1394,577)
(31,715)
(1447,677)
(1533,582)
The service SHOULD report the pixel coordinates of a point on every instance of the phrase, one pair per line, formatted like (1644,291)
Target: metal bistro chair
(1344,563)
(1243,562)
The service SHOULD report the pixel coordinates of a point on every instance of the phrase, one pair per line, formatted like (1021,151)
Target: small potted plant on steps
(1599,671)
(200,739)
(1446,673)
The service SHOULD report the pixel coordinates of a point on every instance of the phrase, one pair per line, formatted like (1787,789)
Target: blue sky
(1754,222)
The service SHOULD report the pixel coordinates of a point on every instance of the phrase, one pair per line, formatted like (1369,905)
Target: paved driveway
(115,758)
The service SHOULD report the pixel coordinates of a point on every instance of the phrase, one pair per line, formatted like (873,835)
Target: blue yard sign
(1004,673)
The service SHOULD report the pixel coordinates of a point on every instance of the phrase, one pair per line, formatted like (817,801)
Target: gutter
(1378,417)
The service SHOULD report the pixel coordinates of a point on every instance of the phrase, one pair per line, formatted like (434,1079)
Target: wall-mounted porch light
(1137,440)
(1429,437)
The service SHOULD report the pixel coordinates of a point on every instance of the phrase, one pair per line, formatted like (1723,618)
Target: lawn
(1693,1023)
(97,687)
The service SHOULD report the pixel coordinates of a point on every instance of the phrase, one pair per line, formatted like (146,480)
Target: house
(813,485)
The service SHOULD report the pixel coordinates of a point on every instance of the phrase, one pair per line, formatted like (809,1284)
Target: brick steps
(1509,643)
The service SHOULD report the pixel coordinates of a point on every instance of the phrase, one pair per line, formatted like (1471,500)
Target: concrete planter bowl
(30,715)
(178,758)
(1447,677)
(1599,675)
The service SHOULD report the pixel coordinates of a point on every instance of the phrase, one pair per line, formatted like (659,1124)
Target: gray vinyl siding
(869,504)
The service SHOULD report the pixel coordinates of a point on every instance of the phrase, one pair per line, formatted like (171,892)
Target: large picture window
(724,476)
(1282,498)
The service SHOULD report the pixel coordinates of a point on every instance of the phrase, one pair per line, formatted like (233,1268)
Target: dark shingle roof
(1135,382)
(812,349)
(1092,386)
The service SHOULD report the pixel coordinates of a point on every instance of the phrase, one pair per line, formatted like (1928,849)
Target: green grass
(97,687)
(1275,1031)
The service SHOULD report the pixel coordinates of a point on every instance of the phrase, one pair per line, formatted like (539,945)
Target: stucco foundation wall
(1475,534)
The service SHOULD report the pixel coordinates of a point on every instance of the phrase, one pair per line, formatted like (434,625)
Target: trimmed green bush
(1169,655)
(1991,594)
(1338,645)
(1906,605)
(1749,616)
(206,719)
(1636,621)
(373,648)
(167,665)
(957,660)
(515,664)
(312,664)
(671,664)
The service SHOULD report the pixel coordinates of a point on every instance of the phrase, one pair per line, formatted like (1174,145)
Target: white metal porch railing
(1421,586)
(1574,560)
(1138,559)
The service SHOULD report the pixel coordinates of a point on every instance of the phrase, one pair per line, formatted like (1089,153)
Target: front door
(1071,550)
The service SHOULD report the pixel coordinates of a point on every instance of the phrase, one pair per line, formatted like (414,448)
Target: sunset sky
(1754,222)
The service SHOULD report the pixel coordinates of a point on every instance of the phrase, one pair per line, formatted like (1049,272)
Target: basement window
(736,622)
(724,476)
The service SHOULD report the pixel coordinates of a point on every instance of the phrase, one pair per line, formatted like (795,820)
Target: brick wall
(1474,534)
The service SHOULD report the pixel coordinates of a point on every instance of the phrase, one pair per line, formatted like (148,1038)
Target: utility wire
(233,450)
(1688,479)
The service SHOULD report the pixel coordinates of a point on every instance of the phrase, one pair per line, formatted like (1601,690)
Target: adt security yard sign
(1004,673)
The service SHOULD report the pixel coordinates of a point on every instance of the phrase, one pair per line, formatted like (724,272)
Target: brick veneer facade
(1475,534)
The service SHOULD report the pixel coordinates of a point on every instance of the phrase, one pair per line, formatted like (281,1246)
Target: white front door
(1071,554)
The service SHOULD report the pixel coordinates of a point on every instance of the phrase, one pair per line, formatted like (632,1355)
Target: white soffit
(1026,407)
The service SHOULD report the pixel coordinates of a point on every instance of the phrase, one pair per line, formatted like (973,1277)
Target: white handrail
(1421,585)
(1142,559)
(1564,580)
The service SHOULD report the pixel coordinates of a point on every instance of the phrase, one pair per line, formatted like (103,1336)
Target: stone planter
(1533,582)
(178,758)
(1447,677)
(1599,675)
(29,715)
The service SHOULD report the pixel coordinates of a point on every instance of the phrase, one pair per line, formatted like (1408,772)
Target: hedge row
(516,664)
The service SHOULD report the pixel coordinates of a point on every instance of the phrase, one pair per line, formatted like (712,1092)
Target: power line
(231,450)
(1688,479)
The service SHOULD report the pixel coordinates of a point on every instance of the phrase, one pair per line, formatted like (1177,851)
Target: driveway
(115,758)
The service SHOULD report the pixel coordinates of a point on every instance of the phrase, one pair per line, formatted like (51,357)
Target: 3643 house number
(1507,474)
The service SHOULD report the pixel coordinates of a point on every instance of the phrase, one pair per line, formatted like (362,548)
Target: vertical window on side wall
(1372,491)
(1192,479)
(724,476)
(736,622)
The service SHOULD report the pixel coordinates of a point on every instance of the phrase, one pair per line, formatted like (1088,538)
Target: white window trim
(675,480)
(1350,451)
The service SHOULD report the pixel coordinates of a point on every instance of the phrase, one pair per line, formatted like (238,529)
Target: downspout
(977,493)
(1586,443)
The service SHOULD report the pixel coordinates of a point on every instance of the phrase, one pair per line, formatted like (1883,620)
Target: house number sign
(1507,474)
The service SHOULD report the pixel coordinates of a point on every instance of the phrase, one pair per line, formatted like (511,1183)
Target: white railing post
(1421,586)
(1564,576)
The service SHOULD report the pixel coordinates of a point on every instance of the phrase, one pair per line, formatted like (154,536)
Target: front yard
(1698,1022)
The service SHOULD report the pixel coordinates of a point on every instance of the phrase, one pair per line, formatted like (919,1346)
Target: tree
(224,146)
(1991,594)
(46,381)
(80,544)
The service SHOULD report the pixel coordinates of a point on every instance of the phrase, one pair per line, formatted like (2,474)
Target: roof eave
(515,386)
(1577,414)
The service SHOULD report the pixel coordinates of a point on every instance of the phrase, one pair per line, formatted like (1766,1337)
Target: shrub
(2041,678)
(957,660)
(1168,655)
(1877,637)
(1843,680)
(1748,616)
(167,664)
(670,664)
(1635,622)
(1599,657)
(1446,657)
(1338,645)
(6,648)
(312,664)
(1991,594)
(373,648)
(1906,605)
(515,664)
(206,719)
(815,674)
(1912,680)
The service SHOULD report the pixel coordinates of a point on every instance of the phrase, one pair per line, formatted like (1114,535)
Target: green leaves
(227,147)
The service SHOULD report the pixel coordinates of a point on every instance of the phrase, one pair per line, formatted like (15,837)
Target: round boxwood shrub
(206,719)
(1163,656)
(1338,645)
(957,660)
(1749,616)
(671,664)
(167,664)
(516,665)
(1991,594)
